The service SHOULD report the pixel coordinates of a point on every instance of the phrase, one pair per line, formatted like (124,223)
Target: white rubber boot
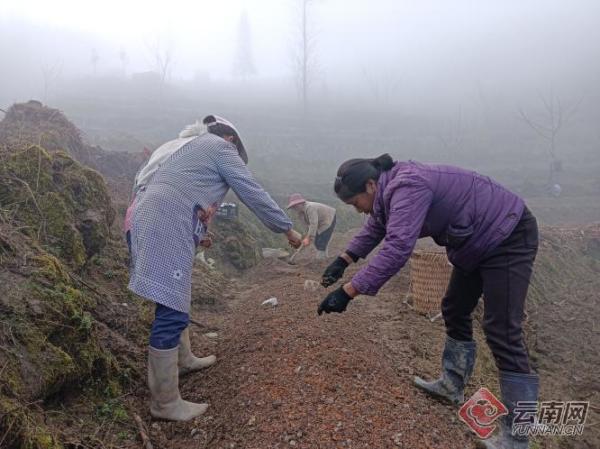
(188,362)
(321,255)
(163,381)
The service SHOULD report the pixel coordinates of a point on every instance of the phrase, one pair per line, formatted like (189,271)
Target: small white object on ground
(211,335)
(310,285)
(274,253)
(398,439)
(210,263)
(435,317)
(270,302)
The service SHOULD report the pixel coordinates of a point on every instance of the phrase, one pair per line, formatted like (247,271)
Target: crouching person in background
(319,219)
(176,195)
(491,238)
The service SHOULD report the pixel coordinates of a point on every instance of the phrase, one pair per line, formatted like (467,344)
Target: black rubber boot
(514,387)
(458,360)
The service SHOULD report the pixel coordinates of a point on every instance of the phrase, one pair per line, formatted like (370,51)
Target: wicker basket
(429,275)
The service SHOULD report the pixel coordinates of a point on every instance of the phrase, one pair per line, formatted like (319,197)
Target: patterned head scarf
(220,126)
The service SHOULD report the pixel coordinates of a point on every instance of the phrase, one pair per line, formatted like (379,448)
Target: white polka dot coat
(164,225)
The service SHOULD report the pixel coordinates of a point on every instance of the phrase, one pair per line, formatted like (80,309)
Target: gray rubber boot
(514,387)
(163,381)
(188,362)
(458,360)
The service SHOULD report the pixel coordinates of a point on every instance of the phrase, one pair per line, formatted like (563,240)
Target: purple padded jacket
(466,212)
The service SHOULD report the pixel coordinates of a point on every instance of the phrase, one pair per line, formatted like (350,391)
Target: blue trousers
(167,327)
(322,239)
(168,324)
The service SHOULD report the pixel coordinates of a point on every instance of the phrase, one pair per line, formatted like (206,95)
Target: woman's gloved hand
(336,301)
(334,272)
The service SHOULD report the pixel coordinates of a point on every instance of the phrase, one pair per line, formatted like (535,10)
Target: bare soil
(289,378)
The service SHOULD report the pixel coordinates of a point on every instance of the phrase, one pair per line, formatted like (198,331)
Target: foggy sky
(430,48)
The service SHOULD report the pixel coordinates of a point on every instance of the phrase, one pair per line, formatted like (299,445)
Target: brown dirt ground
(289,378)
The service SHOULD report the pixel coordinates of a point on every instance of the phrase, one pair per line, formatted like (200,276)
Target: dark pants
(167,327)
(128,240)
(322,239)
(503,277)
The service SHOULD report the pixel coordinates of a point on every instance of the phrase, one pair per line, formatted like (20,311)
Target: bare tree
(162,53)
(244,62)
(50,74)
(304,54)
(549,125)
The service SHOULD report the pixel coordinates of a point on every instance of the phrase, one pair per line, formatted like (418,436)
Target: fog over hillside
(493,86)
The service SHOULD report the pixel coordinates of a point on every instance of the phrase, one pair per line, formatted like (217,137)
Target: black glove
(334,272)
(336,301)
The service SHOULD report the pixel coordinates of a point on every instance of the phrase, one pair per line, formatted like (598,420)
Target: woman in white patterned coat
(176,195)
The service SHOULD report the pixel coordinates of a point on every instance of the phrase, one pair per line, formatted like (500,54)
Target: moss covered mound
(234,245)
(238,243)
(62,204)
(71,335)
(57,342)
(32,123)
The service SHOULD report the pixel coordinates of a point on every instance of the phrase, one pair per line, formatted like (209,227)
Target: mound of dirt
(57,336)
(238,243)
(563,332)
(57,340)
(32,123)
(64,205)
(235,247)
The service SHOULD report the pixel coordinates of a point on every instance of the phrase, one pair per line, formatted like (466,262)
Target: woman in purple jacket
(491,239)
